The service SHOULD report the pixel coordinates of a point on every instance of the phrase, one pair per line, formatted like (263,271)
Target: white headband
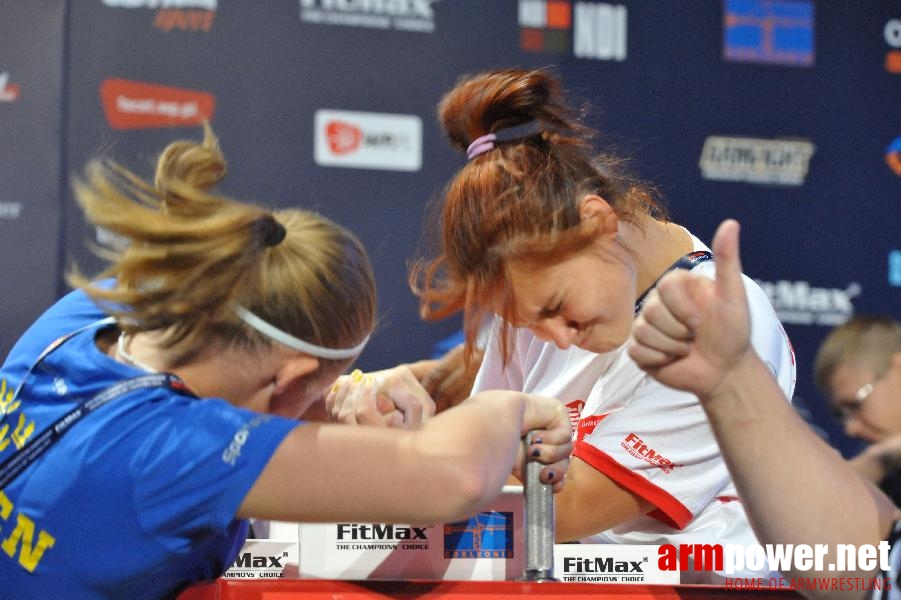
(283,337)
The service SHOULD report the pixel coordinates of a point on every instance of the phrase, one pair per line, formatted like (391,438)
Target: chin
(603,345)
(598,347)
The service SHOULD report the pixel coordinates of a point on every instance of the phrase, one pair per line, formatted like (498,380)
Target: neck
(657,245)
(122,354)
(214,370)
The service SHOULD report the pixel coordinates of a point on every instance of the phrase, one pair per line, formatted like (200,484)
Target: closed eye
(547,313)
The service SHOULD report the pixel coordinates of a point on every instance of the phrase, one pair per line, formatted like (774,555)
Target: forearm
(776,460)
(447,469)
(421,368)
(477,441)
(592,503)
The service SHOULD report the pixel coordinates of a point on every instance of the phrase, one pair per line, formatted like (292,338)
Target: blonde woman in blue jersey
(146,415)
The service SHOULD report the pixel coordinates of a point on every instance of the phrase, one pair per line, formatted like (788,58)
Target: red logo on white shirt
(575,412)
(635,446)
(582,427)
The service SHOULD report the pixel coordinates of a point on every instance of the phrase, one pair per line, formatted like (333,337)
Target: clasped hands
(396,398)
(391,397)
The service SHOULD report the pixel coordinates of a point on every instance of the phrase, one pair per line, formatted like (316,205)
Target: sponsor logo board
(892,34)
(263,559)
(399,15)
(610,563)
(9,91)
(799,303)
(141,105)
(755,160)
(174,15)
(777,32)
(591,30)
(367,140)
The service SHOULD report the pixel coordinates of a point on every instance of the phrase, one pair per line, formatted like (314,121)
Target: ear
(593,207)
(295,370)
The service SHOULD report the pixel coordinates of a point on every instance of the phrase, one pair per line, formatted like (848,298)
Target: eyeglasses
(844,410)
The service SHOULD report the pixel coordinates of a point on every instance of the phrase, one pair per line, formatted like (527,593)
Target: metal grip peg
(539,520)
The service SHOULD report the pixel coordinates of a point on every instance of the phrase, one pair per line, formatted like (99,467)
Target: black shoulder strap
(689,261)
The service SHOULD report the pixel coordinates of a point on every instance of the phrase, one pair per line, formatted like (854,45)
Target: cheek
(607,337)
(613,295)
(611,326)
(611,309)
(886,414)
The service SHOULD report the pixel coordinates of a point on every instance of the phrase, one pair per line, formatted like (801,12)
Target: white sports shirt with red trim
(652,440)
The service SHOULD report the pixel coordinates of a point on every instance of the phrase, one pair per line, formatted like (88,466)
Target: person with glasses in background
(858,368)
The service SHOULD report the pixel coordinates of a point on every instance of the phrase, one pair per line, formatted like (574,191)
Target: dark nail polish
(550,476)
(536,452)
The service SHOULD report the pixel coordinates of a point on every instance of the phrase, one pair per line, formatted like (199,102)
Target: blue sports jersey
(138,499)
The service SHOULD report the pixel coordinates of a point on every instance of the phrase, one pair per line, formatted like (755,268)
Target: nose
(854,427)
(556,330)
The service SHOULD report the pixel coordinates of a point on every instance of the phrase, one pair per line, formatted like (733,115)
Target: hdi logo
(544,25)
(594,30)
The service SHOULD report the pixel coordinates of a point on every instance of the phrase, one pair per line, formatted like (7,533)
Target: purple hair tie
(480,145)
(484,143)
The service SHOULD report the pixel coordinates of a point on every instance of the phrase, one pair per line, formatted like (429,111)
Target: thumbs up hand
(692,330)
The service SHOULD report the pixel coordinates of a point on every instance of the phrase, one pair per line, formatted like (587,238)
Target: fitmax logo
(395,8)
(635,446)
(799,303)
(249,561)
(377,531)
(571,564)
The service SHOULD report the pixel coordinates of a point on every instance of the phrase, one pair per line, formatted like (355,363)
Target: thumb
(728,261)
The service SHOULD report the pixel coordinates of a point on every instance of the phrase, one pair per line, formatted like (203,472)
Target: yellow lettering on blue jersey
(23,431)
(6,398)
(22,537)
(6,506)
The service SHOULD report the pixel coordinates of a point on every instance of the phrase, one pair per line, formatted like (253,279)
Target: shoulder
(69,313)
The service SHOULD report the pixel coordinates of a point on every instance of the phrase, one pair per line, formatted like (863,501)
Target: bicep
(592,502)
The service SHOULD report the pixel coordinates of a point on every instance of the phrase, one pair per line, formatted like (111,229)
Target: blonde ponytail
(193,253)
